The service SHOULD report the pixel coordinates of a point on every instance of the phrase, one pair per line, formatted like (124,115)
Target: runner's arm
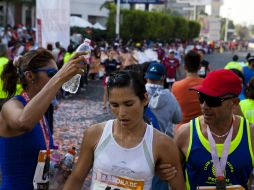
(167,171)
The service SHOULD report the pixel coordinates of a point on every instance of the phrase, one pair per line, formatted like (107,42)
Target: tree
(242,32)
(194,29)
(140,25)
(251,29)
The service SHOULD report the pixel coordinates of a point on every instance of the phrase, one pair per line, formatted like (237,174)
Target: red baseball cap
(220,83)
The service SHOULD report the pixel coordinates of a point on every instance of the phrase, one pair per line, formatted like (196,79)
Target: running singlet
(199,168)
(121,168)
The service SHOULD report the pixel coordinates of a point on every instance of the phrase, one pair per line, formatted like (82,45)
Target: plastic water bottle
(72,85)
(54,161)
(64,170)
(68,161)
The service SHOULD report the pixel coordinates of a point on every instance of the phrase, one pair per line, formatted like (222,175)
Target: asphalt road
(218,61)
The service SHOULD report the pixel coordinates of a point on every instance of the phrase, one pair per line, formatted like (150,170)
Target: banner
(143,1)
(54,22)
(195,2)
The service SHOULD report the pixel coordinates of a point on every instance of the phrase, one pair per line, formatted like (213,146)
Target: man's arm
(182,138)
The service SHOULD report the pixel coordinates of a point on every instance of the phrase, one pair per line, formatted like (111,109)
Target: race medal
(220,183)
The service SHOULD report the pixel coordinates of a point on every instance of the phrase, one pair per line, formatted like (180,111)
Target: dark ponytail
(10,79)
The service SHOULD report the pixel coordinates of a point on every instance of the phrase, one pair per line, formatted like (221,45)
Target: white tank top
(120,168)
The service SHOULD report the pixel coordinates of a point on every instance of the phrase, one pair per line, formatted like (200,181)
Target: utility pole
(226,31)
(195,10)
(118,20)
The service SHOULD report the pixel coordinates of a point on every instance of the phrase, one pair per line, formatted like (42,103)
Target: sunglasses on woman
(50,71)
(212,101)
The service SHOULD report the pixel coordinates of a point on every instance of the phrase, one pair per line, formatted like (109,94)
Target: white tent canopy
(76,21)
(98,26)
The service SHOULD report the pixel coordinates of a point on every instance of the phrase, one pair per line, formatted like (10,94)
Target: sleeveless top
(199,168)
(119,167)
(19,155)
(247,107)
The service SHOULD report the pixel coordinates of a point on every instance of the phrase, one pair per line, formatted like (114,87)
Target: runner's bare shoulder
(94,132)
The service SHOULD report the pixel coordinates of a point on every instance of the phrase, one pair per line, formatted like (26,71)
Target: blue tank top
(199,168)
(19,155)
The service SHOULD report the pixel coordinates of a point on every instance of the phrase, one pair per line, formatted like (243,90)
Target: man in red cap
(217,147)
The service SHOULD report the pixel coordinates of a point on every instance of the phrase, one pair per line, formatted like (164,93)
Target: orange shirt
(187,99)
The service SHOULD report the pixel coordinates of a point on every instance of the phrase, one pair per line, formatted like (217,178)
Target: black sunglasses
(50,71)
(212,101)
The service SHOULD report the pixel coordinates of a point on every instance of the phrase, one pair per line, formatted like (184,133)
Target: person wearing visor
(217,147)
(25,138)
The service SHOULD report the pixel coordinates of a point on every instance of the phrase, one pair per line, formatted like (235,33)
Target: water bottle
(64,170)
(72,85)
(54,161)
(68,161)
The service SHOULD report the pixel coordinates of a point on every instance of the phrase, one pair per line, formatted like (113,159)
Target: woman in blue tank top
(24,132)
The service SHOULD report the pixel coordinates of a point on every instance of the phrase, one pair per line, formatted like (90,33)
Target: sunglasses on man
(50,71)
(212,101)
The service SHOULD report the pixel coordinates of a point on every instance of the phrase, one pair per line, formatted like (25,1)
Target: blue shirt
(248,74)
(19,155)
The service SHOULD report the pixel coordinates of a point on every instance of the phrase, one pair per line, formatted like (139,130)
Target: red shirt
(171,65)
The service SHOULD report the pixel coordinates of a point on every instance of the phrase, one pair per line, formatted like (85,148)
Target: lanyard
(43,124)
(220,164)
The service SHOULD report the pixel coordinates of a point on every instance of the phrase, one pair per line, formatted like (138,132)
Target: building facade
(23,12)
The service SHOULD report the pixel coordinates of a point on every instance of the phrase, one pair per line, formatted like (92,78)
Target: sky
(240,11)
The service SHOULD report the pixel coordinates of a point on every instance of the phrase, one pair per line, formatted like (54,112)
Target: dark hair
(13,72)
(57,44)
(239,74)
(138,68)
(192,61)
(235,58)
(50,47)
(127,78)
(70,49)
(248,56)
(201,50)
(97,52)
(249,92)
(3,50)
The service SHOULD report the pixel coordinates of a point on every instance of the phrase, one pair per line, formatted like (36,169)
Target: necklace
(225,134)
(221,136)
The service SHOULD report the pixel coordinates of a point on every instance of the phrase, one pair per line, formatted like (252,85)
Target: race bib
(102,181)
(170,80)
(201,71)
(41,176)
(106,80)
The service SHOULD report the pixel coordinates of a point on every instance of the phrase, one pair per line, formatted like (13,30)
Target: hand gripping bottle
(72,85)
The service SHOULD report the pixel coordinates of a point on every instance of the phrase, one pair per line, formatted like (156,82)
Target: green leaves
(140,25)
